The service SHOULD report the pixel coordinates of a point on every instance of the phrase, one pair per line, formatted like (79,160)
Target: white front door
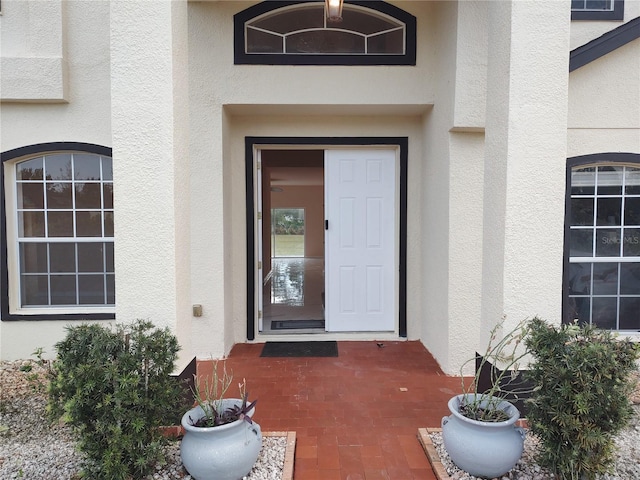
(360,240)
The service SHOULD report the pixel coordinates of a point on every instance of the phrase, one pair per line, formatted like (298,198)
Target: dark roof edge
(604,44)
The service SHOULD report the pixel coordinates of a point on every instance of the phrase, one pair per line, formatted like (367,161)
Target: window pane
(34,290)
(30,169)
(583,181)
(60,224)
(605,278)
(610,180)
(31,224)
(582,211)
(30,195)
(111,289)
(107,168)
(108,195)
(608,242)
(579,309)
(581,243)
(63,290)
(292,20)
(91,289)
(630,313)
(57,167)
(86,167)
(108,224)
(109,257)
(89,224)
(598,4)
(90,257)
(262,42)
(631,242)
(630,278)
(605,312)
(59,196)
(88,195)
(632,211)
(33,258)
(609,211)
(389,43)
(323,41)
(632,181)
(365,22)
(62,257)
(579,278)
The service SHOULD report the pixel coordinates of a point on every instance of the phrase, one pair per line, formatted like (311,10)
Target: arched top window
(298,33)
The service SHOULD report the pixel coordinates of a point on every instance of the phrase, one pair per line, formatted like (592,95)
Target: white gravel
(627,464)
(31,448)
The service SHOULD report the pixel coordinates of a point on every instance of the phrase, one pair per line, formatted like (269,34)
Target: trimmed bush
(581,396)
(113,386)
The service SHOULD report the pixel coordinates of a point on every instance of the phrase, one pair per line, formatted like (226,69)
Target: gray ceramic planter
(227,452)
(483,449)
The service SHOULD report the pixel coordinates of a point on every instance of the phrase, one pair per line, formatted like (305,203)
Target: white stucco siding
(76,33)
(150,118)
(524,161)
(604,104)
(86,117)
(583,31)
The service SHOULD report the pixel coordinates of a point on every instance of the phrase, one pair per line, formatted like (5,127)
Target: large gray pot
(483,449)
(227,452)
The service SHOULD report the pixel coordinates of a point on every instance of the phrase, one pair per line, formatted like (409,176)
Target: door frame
(252,143)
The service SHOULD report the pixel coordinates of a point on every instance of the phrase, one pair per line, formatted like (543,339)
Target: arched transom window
(370,33)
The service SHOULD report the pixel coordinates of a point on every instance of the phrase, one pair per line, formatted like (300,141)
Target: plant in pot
(480,435)
(221,440)
(581,401)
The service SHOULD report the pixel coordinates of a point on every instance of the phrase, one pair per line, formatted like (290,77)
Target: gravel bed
(31,448)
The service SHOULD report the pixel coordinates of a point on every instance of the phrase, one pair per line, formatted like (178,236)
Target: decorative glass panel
(322,41)
(264,42)
(386,43)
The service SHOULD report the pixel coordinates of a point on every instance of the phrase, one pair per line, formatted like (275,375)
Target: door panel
(361,271)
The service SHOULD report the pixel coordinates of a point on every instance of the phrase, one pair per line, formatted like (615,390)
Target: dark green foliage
(113,386)
(581,399)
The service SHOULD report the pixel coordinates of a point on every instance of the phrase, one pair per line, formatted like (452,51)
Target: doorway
(333,260)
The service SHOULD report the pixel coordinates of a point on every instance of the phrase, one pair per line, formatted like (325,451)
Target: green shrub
(581,397)
(113,386)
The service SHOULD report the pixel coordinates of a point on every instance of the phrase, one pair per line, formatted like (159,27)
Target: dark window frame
(242,58)
(596,159)
(10,155)
(616,14)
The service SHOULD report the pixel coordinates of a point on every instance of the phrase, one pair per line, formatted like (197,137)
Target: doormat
(290,324)
(300,349)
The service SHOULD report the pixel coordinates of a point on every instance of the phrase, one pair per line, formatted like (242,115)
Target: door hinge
(259,314)
(259,265)
(258,165)
(259,215)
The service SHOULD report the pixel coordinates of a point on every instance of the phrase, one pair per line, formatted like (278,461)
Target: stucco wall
(604,99)
(34,30)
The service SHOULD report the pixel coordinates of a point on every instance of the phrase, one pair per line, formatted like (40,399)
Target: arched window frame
(593,160)
(10,308)
(243,58)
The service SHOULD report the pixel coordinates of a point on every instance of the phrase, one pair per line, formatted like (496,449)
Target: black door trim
(251,142)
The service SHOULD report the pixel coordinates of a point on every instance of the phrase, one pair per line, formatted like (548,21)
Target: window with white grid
(604,246)
(64,231)
(597,9)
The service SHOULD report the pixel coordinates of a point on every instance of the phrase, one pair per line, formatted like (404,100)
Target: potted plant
(221,440)
(480,435)
(581,401)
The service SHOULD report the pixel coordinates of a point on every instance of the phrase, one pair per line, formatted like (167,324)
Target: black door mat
(300,349)
(289,324)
